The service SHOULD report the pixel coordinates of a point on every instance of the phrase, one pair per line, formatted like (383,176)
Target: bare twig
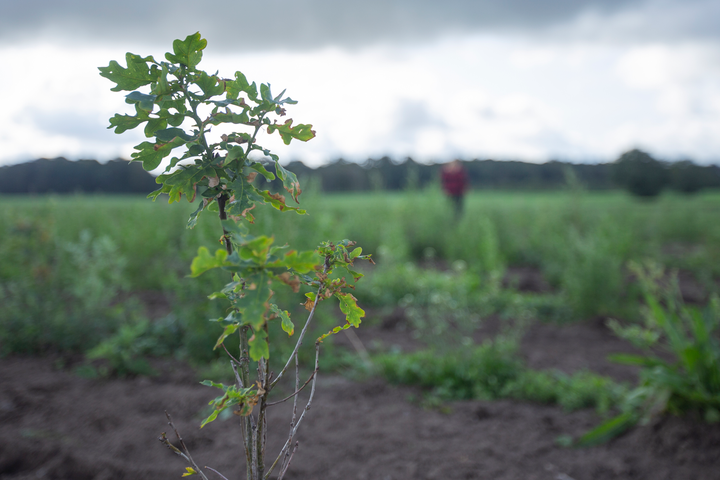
(286,459)
(297,382)
(212,469)
(294,429)
(296,391)
(302,334)
(358,346)
(237,375)
(287,464)
(230,354)
(186,455)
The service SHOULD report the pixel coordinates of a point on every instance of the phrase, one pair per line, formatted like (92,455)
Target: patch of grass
(494,370)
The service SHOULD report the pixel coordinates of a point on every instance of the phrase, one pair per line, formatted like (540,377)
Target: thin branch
(287,464)
(302,335)
(230,354)
(296,391)
(212,469)
(237,375)
(286,459)
(186,455)
(358,346)
(297,383)
(293,431)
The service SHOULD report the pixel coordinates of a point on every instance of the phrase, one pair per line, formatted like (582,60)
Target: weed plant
(681,365)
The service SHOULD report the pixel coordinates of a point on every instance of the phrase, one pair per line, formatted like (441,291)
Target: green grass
(493,370)
(64,258)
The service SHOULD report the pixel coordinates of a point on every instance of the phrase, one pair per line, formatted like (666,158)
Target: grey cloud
(241,25)
(83,127)
(412,117)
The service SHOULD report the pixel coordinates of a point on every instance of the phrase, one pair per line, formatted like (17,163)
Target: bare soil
(57,425)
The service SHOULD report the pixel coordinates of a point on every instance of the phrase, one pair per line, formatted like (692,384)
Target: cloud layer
(283,24)
(576,80)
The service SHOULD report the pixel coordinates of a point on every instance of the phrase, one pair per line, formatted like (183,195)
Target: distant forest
(119,176)
(65,176)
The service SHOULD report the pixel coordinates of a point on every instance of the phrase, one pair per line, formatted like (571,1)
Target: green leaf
(204,261)
(234,152)
(277,201)
(287,324)
(630,359)
(189,471)
(254,304)
(302,132)
(151,154)
(144,101)
(122,123)
(229,330)
(608,430)
(153,125)
(185,179)
(238,230)
(240,84)
(289,179)
(266,93)
(137,74)
(192,221)
(210,383)
(301,262)
(188,52)
(356,275)
(210,85)
(260,168)
(153,195)
(213,416)
(258,343)
(256,249)
(348,305)
(169,134)
(231,117)
(162,87)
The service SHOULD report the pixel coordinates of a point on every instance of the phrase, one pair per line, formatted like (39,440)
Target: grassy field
(65,259)
(77,275)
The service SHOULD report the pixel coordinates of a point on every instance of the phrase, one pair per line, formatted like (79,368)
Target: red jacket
(454,181)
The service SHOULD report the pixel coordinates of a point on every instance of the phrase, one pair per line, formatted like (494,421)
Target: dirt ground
(57,425)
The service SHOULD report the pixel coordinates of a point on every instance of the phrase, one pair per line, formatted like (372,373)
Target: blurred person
(454,183)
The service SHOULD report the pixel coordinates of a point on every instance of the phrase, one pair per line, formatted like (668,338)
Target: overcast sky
(519,79)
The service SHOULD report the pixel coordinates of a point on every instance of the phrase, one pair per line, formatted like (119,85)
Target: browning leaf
(290,280)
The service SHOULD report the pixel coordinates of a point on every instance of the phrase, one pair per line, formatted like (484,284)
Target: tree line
(60,175)
(635,171)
